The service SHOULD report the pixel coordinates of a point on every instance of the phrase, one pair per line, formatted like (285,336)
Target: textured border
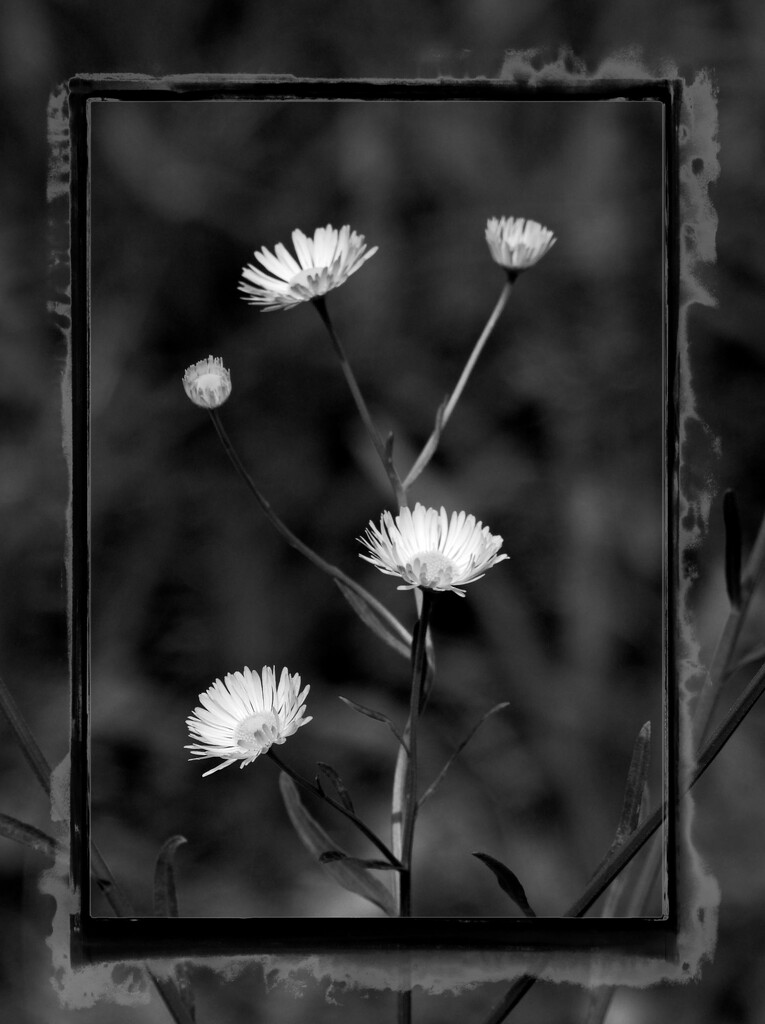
(433,969)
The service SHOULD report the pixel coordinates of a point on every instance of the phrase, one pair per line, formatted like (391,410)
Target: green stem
(409,809)
(432,443)
(309,787)
(384,453)
(289,536)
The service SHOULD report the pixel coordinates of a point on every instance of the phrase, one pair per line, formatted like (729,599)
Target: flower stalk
(294,542)
(429,449)
(383,450)
(409,808)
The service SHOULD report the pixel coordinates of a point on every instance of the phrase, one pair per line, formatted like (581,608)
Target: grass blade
(165,897)
(28,835)
(633,793)
(732,523)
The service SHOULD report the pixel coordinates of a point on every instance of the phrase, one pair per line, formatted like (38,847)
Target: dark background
(188,576)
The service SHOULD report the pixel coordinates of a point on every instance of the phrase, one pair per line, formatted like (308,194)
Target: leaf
(337,782)
(317,841)
(381,625)
(732,523)
(377,865)
(30,836)
(165,897)
(437,781)
(633,793)
(378,716)
(636,781)
(508,882)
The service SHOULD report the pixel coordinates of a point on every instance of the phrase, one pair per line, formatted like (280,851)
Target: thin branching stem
(290,537)
(316,791)
(383,452)
(431,444)
(419,670)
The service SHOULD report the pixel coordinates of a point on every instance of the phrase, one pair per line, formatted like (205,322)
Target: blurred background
(556,445)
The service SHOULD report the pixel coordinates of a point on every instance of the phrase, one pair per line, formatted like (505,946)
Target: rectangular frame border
(95,939)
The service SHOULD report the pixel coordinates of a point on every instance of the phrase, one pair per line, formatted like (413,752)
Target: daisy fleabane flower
(243,716)
(517,244)
(427,548)
(207,383)
(323,262)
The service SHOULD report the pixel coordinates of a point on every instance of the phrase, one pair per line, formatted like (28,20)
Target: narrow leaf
(376,865)
(378,716)
(439,778)
(350,876)
(337,782)
(732,523)
(28,835)
(508,882)
(636,780)
(633,793)
(165,897)
(381,626)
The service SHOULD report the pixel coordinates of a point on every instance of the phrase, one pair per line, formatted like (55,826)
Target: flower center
(433,569)
(308,276)
(257,732)
(208,382)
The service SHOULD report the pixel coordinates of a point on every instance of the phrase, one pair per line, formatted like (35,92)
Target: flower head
(517,244)
(244,715)
(428,549)
(323,262)
(207,383)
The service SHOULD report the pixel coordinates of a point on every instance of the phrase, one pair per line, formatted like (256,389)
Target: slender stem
(295,542)
(409,810)
(101,872)
(637,840)
(26,741)
(723,656)
(383,452)
(432,443)
(311,788)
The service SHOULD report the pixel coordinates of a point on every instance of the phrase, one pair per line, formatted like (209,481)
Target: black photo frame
(95,938)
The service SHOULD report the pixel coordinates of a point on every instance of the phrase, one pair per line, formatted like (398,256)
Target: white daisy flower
(207,383)
(244,715)
(517,244)
(428,549)
(323,262)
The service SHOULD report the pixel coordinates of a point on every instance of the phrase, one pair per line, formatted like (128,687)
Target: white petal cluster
(243,716)
(320,264)
(207,383)
(427,548)
(517,244)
